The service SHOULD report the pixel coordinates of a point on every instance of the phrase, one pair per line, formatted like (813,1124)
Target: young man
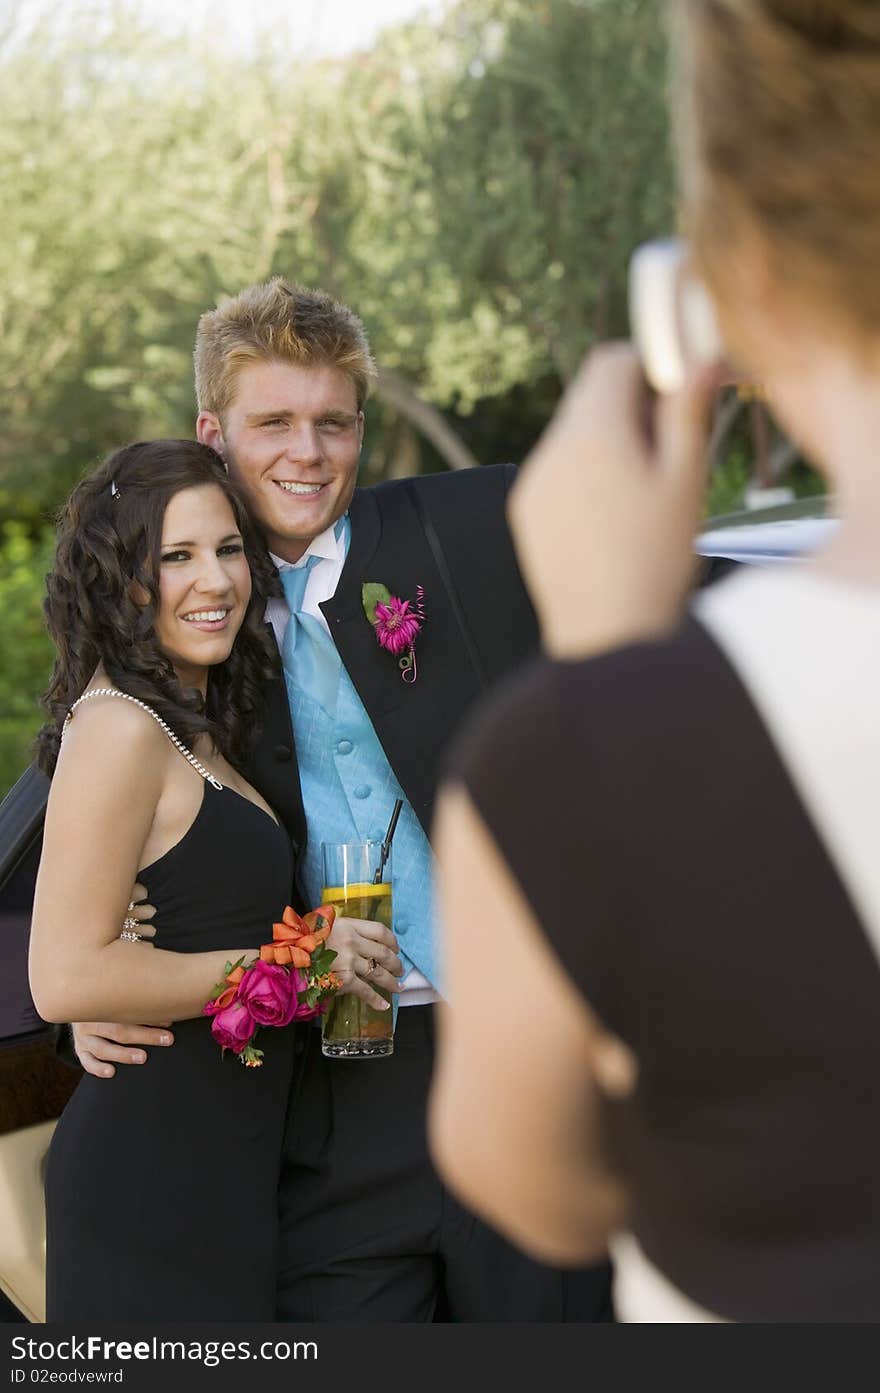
(367,1230)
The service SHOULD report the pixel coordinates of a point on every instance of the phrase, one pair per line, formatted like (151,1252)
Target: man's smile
(299,490)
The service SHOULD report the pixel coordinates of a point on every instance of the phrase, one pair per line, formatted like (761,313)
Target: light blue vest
(349,791)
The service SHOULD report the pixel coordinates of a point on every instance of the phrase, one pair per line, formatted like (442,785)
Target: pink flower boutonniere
(397,623)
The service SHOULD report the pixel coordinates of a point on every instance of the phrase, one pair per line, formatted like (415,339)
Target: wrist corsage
(290,981)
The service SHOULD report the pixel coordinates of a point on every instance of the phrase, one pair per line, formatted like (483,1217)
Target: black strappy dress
(161,1182)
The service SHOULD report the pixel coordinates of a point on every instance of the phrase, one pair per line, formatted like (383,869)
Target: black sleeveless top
(161,1186)
(646,814)
(225,882)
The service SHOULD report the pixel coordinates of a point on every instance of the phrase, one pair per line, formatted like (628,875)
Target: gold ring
(372,964)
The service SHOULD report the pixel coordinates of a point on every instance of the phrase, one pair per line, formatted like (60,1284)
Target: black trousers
(367,1230)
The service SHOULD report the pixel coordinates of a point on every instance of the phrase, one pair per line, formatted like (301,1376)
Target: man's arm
(99,1045)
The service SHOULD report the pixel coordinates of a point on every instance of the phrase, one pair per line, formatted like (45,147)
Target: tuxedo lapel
(412,720)
(344,611)
(345,605)
(273,768)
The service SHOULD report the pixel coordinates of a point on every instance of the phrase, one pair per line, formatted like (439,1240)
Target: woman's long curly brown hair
(108,553)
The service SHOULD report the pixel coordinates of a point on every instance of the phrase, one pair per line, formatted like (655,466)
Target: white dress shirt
(415,990)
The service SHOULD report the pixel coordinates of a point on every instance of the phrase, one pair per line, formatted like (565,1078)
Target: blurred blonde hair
(277,321)
(778,114)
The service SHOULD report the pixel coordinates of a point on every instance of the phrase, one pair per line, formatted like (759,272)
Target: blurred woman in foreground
(669,823)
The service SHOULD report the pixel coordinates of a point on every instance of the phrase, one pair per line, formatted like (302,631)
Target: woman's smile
(208,620)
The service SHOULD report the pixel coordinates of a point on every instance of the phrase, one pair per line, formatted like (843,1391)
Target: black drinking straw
(386,845)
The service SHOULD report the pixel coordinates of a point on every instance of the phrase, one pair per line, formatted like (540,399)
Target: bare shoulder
(108,733)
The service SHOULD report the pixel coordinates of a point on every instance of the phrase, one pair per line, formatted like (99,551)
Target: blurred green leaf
(26,653)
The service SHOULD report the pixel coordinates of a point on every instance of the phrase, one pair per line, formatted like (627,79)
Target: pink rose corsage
(290,981)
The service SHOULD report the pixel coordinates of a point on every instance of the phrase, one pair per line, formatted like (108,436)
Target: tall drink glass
(351,1029)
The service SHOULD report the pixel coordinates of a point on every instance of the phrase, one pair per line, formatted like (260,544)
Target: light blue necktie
(308,654)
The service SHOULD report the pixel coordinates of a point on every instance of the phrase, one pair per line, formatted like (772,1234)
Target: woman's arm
(514,1107)
(111,772)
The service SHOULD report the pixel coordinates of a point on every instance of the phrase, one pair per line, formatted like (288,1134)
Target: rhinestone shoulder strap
(178,745)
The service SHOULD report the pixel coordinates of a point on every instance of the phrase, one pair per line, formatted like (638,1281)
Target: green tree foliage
(25,650)
(473,186)
(549,161)
(503,167)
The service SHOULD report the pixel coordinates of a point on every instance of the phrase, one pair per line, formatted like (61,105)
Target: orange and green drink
(351,1029)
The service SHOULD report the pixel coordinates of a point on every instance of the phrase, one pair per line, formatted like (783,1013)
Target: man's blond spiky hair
(277,321)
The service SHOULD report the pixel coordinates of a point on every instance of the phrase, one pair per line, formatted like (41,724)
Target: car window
(18,1016)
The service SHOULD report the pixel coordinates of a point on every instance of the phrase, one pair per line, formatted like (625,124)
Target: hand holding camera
(672,318)
(605,511)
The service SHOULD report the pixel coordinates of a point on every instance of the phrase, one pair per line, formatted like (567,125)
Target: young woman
(161,1191)
(670,826)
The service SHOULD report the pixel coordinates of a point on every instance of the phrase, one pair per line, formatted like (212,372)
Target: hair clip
(114,489)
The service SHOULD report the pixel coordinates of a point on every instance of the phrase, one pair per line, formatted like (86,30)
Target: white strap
(808,650)
(643,1295)
(178,745)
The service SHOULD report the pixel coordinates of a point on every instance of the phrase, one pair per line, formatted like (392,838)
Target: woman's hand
(606,508)
(358,943)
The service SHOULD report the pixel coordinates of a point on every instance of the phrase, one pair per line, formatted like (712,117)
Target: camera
(672,318)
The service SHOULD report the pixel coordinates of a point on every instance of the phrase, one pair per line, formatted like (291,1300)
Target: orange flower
(319,922)
(226,998)
(329,981)
(295,939)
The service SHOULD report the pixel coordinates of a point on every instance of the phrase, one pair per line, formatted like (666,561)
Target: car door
(35,1083)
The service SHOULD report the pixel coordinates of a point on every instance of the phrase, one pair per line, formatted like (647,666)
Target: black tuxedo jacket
(448,534)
